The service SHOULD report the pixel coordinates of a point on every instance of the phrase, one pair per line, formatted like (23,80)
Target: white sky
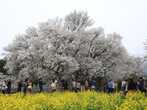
(126,17)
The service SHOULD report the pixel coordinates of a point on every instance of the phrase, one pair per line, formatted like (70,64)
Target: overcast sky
(126,17)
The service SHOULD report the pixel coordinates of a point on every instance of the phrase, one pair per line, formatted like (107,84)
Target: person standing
(110,86)
(30,86)
(82,85)
(25,86)
(93,84)
(86,85)
(19,86)
(9,86)
(74,85)
(141,85)
(64,84)
(54,85)
(40,82)
(78,86)
(124,87)
(4,87)
(132,85)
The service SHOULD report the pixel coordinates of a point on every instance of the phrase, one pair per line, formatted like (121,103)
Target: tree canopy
(70,50)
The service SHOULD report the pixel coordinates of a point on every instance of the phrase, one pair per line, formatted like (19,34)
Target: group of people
(110,86)
(127,85)
(73,85)
(27,86)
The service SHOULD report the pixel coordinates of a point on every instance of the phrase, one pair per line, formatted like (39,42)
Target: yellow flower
(74,101)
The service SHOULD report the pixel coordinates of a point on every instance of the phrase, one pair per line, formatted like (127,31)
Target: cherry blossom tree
(55,50)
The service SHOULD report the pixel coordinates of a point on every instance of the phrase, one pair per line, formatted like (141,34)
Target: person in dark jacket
(132,85)
(9,86)
(25,86)
(141,85)
(93,84)
(19,86)
(40,82)
(64,84)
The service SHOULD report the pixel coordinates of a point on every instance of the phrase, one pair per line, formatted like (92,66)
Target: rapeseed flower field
(74,101)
